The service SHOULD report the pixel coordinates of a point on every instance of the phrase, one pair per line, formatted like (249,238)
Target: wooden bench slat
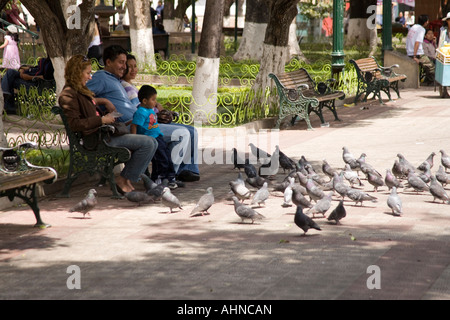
(16,180)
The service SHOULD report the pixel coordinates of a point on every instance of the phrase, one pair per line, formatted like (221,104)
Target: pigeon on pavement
(288,193)
(250,169)
(375,180)
(240,190)
(442,176)
(170,200)
(304,222)
(416,183)
(87,204)
(204,203)
(261,195)
(391,180)
(351,176)
(298,198)
(407,166)
(338,213)
(360,196)
(340,186)
(258,153)
(245,212)
(139,197)
(327,169)
(322,205)
(315,193)
(286,163)
(349,158)
(428,163)
(438,191)
(394,202)
(445,159)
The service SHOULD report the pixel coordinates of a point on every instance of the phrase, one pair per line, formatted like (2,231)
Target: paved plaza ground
(128,252)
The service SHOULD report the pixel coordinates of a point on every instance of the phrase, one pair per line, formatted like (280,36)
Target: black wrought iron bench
(300,95)
(18,177)
(92,156)
(373,78)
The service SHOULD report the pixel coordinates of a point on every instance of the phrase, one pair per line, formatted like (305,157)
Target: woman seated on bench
(83,114)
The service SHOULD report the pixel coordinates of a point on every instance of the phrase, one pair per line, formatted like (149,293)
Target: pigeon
(286,163)
(338,213)
(237,161)
(339,186)
(349,158)
(250,169)
(394,202)
(298,197)
(170,200)
(426,174)
(442,176)
(391,180)
(327,169)
(258,153)
(245,212)
(204,203)
(399,170)
(351,176)
(438,191)
(315,193)
(303,179)
(360,196)
(304,222)
(416,183)
(428,163)
(148,183)
(261,195)
(288,193)
(375,180)
(87,204)
(322,205)
(407,166)
(445,160)
(139,197)
(256,182)
(366,167)
(240,190)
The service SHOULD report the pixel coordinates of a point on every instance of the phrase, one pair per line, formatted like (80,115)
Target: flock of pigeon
(303,182)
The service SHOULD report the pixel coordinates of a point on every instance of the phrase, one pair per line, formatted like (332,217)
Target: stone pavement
(128,252)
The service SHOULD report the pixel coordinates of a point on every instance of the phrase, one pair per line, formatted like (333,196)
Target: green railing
(234,101)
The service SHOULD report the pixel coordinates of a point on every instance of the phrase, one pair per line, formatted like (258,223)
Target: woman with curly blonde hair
(85,116)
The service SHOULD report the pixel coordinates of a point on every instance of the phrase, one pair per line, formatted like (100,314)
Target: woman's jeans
(142,150)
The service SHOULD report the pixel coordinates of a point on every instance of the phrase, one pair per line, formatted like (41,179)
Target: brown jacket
(80,111)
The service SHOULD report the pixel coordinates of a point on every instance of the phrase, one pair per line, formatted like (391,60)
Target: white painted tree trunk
(141,35)
(204,92)
(294,48)
(173,25)
(360,34)
(59,63)
(252,40)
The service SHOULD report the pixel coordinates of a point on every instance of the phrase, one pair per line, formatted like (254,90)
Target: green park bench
(92,156)
(299,95)
(373,78)
(18,177)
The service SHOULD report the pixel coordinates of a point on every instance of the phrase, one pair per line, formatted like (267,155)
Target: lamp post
(337,56)
(387,26)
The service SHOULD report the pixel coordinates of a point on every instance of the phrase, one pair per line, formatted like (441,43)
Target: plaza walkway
(128,252)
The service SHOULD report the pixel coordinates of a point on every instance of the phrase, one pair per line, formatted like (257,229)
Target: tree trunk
(358,32)
(206,79)
(141,34)
(173,17)
(275,48)
(256,18)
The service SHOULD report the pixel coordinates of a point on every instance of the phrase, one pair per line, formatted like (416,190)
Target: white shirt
(416,34)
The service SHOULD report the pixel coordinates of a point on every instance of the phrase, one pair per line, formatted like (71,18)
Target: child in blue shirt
(145,122)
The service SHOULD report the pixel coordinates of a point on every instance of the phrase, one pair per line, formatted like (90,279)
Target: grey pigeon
(298,197)
(148,183)
(338,213)
(87,204)
(170,200)
(375,180)
(327,169)
(394,202)
(438,191)
(426,174)
(339,185)
(261,195)
(258,153)
(391,180)
(442,176)
(428,163)
(237,161)
(351,176)
(240,190)
(204,203)
(139,197)
(303,179)
(304,222)
(445,159)
(322,205)
(407,166)
(256,182)
(245,212)
(416,183)
(349,159)
(399,170)
(288,193)
(360,196)
(366,167)
(315,193)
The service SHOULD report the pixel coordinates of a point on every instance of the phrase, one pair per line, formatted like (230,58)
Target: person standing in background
(11,58)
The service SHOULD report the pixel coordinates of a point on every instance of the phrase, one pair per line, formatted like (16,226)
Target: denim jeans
(183,144)
(142,150)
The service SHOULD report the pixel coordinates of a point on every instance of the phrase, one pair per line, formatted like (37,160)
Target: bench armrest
(303,87)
